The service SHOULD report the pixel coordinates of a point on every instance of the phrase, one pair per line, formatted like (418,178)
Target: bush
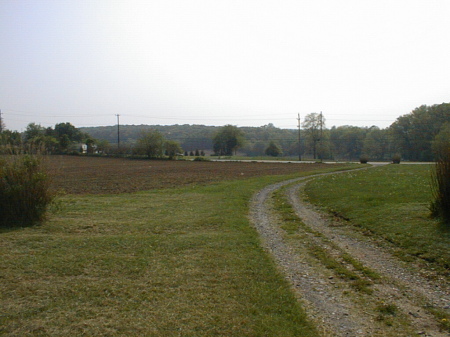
(201,159)
(440,206)
(364,160)
(273,150)
(396,159)
(24,191)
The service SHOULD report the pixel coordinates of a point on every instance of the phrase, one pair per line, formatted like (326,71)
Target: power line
(244,118)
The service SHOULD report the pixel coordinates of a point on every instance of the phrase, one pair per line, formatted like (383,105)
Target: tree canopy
(227,140)
(35,138)
(413,136)
(151,144)
(273,150)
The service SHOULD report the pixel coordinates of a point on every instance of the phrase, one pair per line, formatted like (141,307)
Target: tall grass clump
(440,206)
(24,191)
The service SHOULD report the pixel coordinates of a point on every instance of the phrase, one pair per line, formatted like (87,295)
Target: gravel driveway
(401,302)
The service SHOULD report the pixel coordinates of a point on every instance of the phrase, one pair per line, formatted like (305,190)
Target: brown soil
(94,175)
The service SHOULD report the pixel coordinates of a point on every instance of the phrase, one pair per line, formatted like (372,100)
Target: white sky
(217,62)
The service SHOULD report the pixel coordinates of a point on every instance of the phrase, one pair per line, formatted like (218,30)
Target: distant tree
(348,141)
(202,153)
(313,125)
(64,143)
(412,135)
(10,142)
(90,142)
(68,129)
(186,153)
(67,134)
(35,139)
(102,145)
(441,143)
(8,137)
(273,150)
(33,132)
(151,143)
(227,140)
(172,148)
(376,143)
(191,153)
(197,153)
(255,148)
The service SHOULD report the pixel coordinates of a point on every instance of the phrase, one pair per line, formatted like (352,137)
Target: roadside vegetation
(391,202)
(25,192)
(171,261)
(440,205)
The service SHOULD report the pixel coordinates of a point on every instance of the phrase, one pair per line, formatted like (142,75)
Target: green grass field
(185,261)
(391,202)
(176,262)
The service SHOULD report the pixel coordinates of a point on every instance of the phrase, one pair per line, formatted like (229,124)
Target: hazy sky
(217,62)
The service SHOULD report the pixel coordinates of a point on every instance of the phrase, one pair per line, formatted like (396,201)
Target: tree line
(64,138)
(414,136)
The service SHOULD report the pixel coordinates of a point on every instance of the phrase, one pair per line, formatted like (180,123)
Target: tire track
(324,297)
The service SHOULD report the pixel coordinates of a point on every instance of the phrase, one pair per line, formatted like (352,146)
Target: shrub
(364,160)
(440,206)
(273,150)
(24,191)
(396,159)
(201,159)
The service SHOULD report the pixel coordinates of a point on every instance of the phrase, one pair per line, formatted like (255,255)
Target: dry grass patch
(159,263)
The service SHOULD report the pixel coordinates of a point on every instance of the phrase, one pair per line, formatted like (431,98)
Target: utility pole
(118,132)
(1,121)
(321,136)
(299,144)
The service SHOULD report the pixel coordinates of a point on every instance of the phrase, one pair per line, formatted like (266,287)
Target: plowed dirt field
(95,175)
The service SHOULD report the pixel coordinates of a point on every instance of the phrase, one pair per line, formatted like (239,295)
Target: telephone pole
(321,136)
(1,121)
(299,144)
(118,132)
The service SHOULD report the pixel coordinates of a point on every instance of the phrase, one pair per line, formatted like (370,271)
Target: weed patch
(25,193)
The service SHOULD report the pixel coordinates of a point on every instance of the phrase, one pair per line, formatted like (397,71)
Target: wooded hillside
(411,136)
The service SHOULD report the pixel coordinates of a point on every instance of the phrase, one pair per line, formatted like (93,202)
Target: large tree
(348,141)
(227,140)
(172,148)
(376,143)
(151,143)
(313,126)
(412,135)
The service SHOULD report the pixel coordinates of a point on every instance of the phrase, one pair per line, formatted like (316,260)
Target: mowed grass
(175,262)
(391,202)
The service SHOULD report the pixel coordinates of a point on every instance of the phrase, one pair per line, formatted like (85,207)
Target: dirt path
(379,296)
